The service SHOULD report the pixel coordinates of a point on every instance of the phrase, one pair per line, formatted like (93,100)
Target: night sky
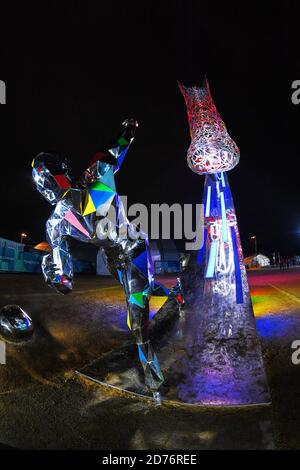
(75,70)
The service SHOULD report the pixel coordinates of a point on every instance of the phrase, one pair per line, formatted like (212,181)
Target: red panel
(62,181)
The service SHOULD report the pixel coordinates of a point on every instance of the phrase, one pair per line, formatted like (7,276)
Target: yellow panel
(89,205)
(128,321)
(66,192)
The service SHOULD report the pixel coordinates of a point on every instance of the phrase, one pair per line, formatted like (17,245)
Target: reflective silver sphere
(15,324)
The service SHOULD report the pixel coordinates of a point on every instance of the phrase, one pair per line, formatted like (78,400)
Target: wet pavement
(43,406)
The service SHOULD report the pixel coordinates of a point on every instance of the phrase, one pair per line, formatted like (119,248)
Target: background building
(257,261)
(18,257)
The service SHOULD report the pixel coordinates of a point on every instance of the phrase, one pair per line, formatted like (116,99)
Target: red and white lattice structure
(212,150)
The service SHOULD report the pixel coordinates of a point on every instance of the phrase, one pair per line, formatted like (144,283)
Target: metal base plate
(222,373)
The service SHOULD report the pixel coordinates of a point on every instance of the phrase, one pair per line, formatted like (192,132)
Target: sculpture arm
(57,268)
(122,144)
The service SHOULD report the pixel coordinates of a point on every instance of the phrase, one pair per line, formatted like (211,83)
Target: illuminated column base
(225,365)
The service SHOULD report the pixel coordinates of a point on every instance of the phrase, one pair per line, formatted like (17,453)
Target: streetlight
(255,245)
(22,236)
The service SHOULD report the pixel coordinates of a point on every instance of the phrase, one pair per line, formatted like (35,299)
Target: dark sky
(75,70)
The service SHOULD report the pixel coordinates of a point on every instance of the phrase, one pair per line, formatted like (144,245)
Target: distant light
(22,236)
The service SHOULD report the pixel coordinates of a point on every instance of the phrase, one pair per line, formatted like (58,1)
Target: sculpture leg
(138,323)
(131,263)
(176,292)
(57,266)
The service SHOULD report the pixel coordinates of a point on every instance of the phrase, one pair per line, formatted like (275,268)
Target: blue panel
(122,156)
(141,262)
(210,272)
(142,355)
(224,221)
(100,197)
(109,179)
(208,199)
(120,276)
(237,270)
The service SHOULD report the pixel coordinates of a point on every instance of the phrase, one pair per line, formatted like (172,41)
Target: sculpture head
(51,177)
(212,150)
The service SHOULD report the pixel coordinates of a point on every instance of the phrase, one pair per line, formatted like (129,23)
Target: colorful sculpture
(225,365)
(212,152)
(80,212)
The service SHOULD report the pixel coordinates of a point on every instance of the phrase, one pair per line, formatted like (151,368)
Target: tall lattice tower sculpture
(226,365)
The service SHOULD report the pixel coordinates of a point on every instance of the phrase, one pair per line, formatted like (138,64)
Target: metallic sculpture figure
(81,212)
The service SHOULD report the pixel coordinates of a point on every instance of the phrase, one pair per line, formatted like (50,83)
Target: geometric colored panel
(103,208)
(109,180)
(123,141)
(99,186)
(89,207)
(62,181)
(128,320)
(137,299)
(120,276)
(70,217)
(141,262)
(142,355)
(100,197)
(122,156)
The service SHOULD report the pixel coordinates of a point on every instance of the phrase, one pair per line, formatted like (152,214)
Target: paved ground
(276,300)
(42,407)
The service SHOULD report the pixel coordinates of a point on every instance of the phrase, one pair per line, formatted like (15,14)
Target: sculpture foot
(179,295)
(156,397)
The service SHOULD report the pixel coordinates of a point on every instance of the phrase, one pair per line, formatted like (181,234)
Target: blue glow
(237,270)
(141,354)
(212,260)
(275,326)
(120,276)
(224,221)
(208,199)
(218,188)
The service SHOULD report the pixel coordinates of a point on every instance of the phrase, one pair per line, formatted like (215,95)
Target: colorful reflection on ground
(276,301)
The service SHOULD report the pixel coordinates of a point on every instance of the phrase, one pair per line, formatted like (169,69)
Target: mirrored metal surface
(91,211)
(15,324)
